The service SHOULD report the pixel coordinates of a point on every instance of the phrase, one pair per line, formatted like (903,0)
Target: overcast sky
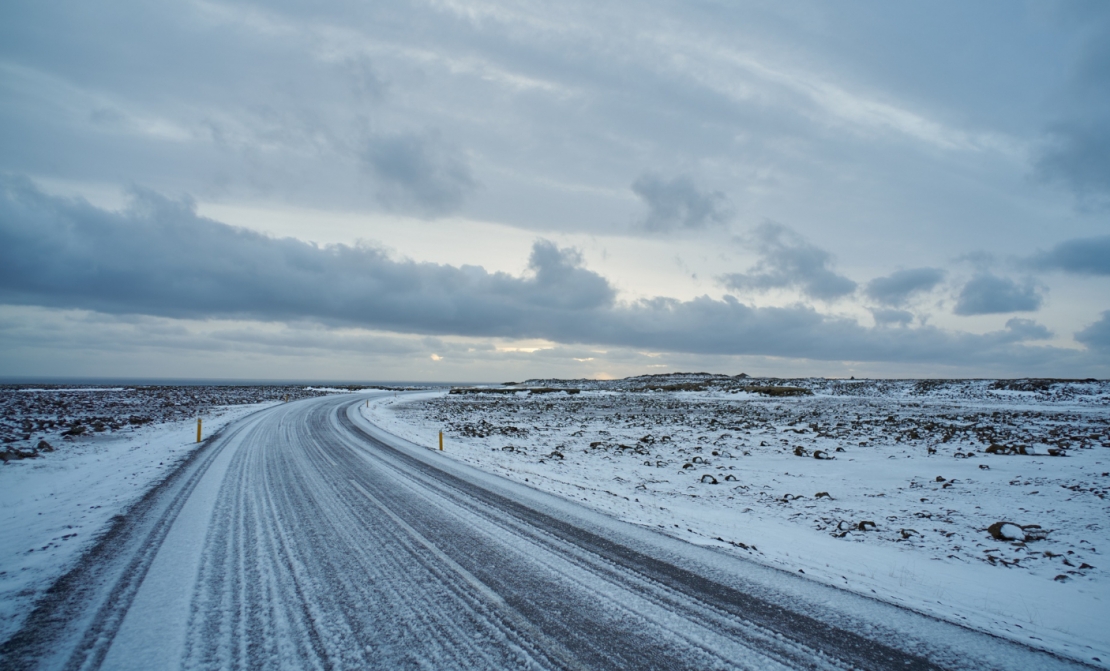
(484,191)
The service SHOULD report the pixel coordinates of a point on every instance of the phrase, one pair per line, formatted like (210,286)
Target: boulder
(1006,531)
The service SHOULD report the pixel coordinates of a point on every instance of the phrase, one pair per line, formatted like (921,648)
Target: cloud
(158,258)
(562,283)
(708,326)
(366,82)
(895,289)
(1027,329)
(886,316)
(1097,335)
(788,260)
(989,294)
(1082,256)
(678,204)
(418,172)
(1078,155)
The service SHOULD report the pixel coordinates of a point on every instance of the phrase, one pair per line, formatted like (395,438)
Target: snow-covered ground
(29,414)
(897,504)
(55,503)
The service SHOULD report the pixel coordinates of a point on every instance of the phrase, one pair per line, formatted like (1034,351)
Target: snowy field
(105,448)
(30,414)
(893,489)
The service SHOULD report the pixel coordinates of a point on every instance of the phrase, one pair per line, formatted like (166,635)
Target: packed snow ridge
(980,501)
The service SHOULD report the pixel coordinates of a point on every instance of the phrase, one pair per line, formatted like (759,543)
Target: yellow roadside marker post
(198,429)
(440,441)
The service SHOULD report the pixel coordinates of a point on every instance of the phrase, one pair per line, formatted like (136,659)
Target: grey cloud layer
(159,258)
(897,134)
(788,260)
(238,100)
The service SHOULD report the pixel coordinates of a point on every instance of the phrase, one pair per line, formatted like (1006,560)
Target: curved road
(303,537)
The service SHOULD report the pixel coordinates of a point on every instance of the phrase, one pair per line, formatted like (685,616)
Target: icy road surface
(303,537)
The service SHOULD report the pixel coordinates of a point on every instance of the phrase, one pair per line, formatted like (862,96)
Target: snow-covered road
(305,537)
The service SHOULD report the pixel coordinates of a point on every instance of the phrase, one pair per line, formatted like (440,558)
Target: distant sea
(198,382)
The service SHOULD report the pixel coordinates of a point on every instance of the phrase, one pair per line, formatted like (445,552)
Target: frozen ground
(899,502)
(55,502)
